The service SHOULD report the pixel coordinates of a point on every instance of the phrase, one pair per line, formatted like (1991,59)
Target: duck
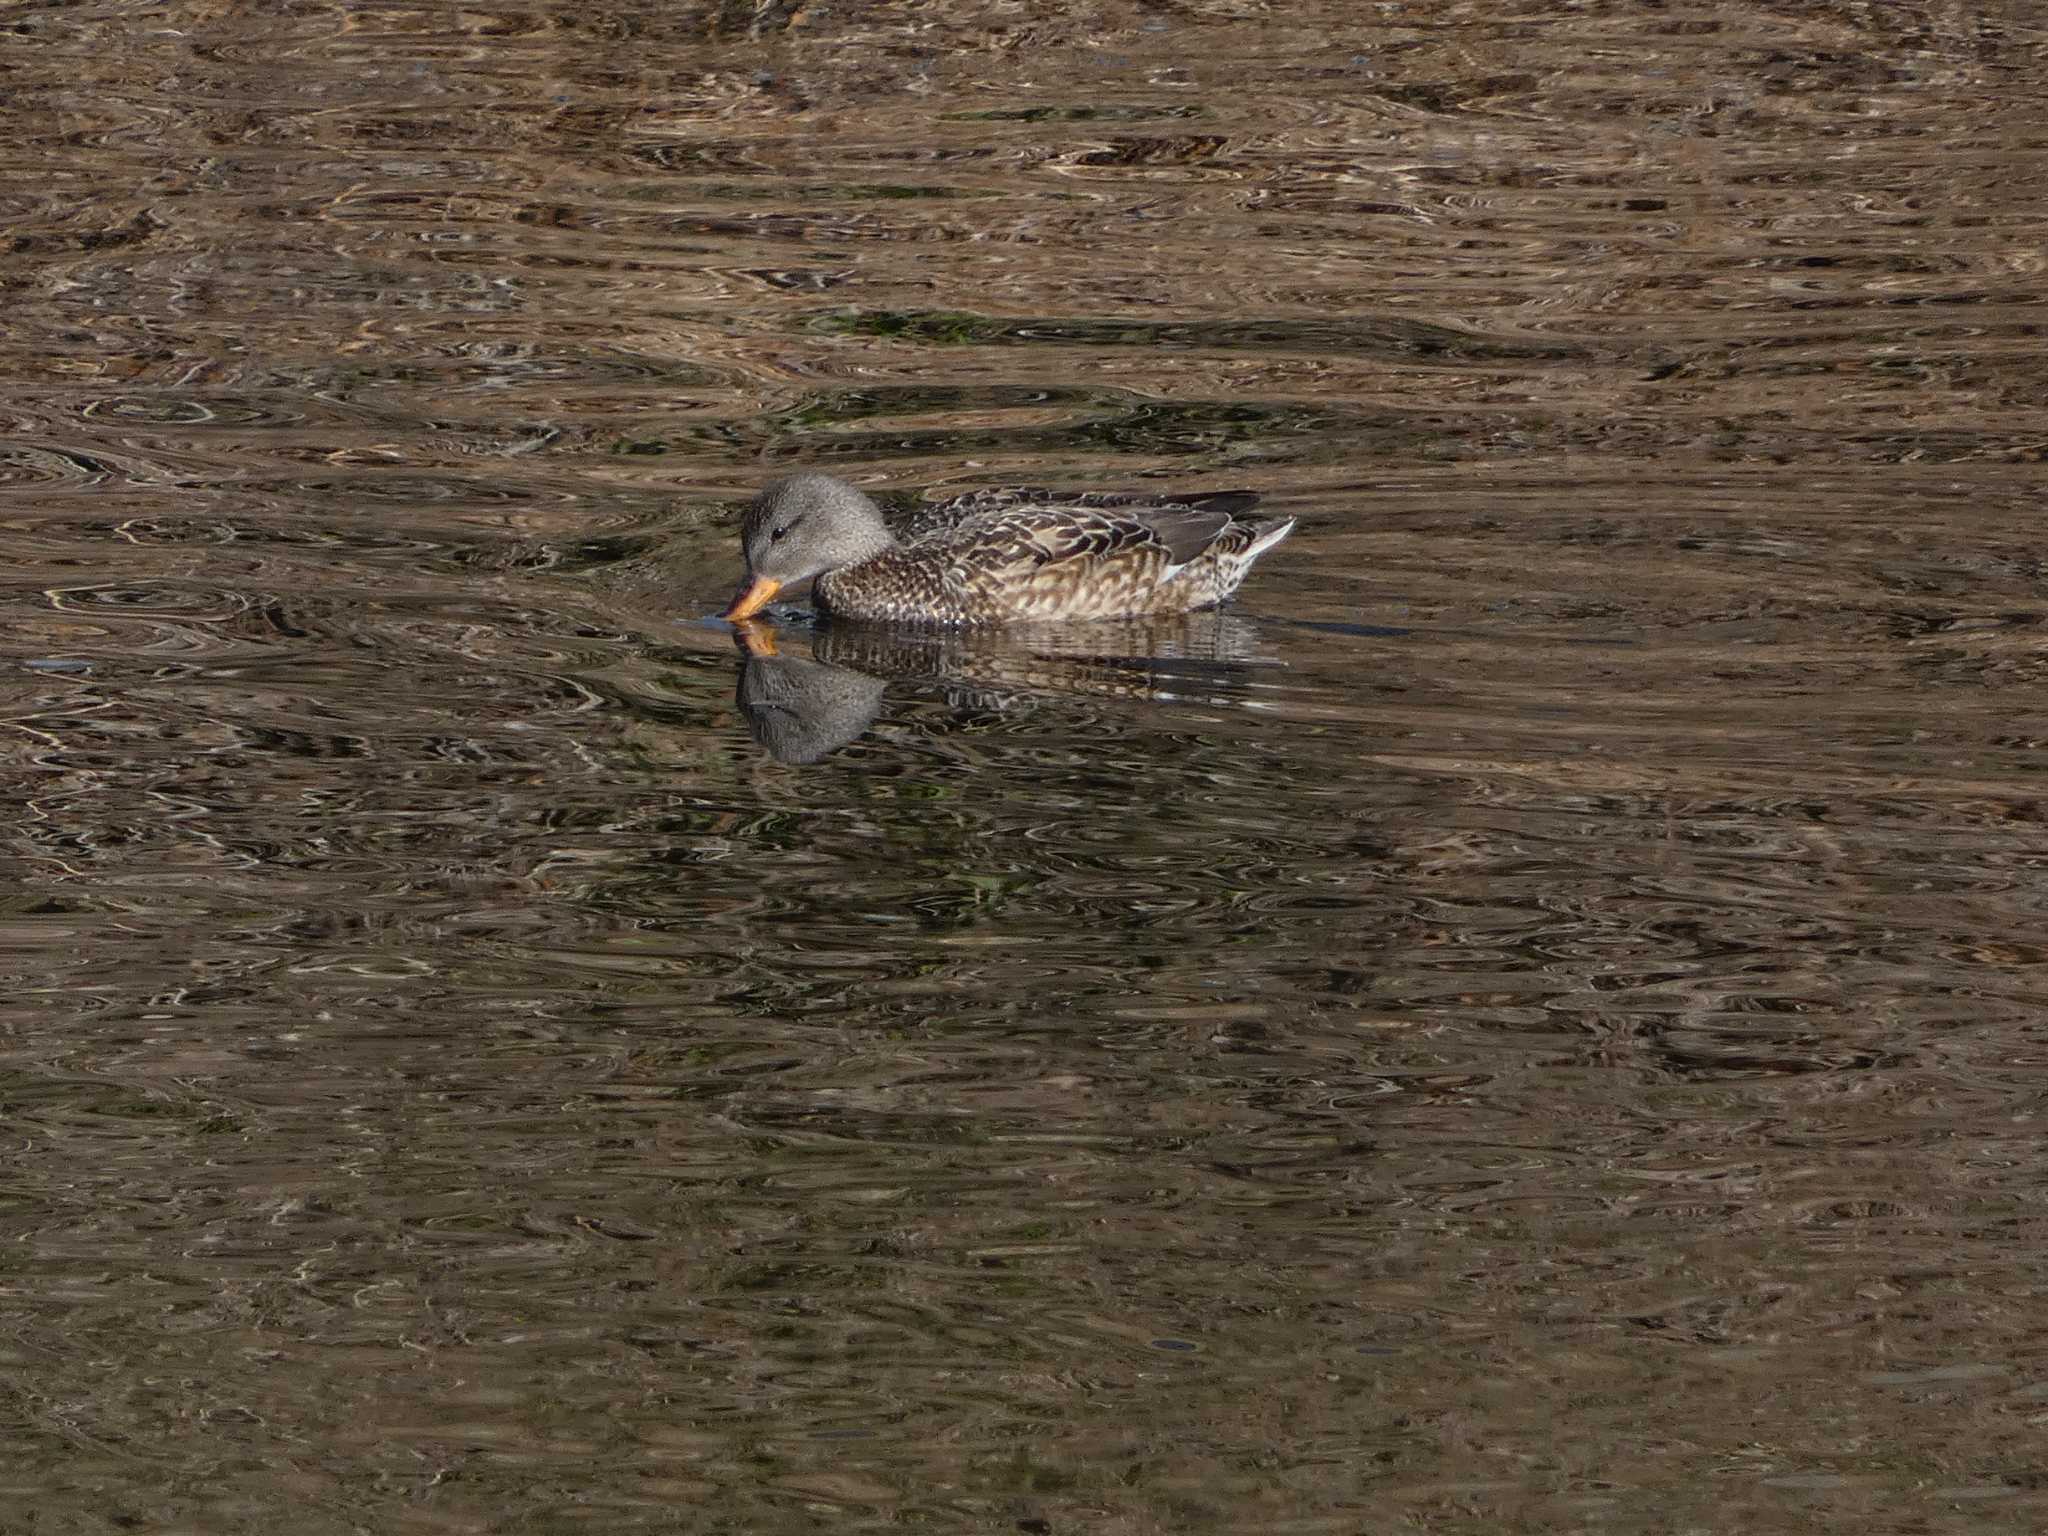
(999,557)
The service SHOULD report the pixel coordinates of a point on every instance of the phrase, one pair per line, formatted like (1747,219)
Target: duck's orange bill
(751,599)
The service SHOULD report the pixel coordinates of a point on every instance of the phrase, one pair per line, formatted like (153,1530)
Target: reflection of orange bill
(754,638)
(751,599)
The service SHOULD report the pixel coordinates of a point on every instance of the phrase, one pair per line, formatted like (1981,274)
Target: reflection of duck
(1003,557)
(801,710)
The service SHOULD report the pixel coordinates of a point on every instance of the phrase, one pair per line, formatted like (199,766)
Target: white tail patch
(1268,539)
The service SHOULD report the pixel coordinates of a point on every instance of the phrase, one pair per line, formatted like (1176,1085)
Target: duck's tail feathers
(1266,535)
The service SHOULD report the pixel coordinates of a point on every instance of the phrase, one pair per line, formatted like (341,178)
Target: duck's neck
(870,544)
(841,589)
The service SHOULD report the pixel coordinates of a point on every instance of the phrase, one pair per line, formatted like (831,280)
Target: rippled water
(1531,1020)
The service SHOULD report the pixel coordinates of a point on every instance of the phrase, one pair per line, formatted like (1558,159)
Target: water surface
(1531,1020)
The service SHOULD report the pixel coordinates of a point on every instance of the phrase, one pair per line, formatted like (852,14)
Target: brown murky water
(1532,1020)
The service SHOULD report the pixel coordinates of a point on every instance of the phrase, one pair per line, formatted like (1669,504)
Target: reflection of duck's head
(803,526)
(801,710)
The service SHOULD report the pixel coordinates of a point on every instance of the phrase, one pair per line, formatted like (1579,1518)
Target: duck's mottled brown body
(1001,557)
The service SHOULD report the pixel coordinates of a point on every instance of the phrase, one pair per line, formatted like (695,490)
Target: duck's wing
(943,516)
(1071,561)
(1185,531)
(1031,537)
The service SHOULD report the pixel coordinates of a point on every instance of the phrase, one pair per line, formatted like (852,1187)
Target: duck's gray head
(804,526)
